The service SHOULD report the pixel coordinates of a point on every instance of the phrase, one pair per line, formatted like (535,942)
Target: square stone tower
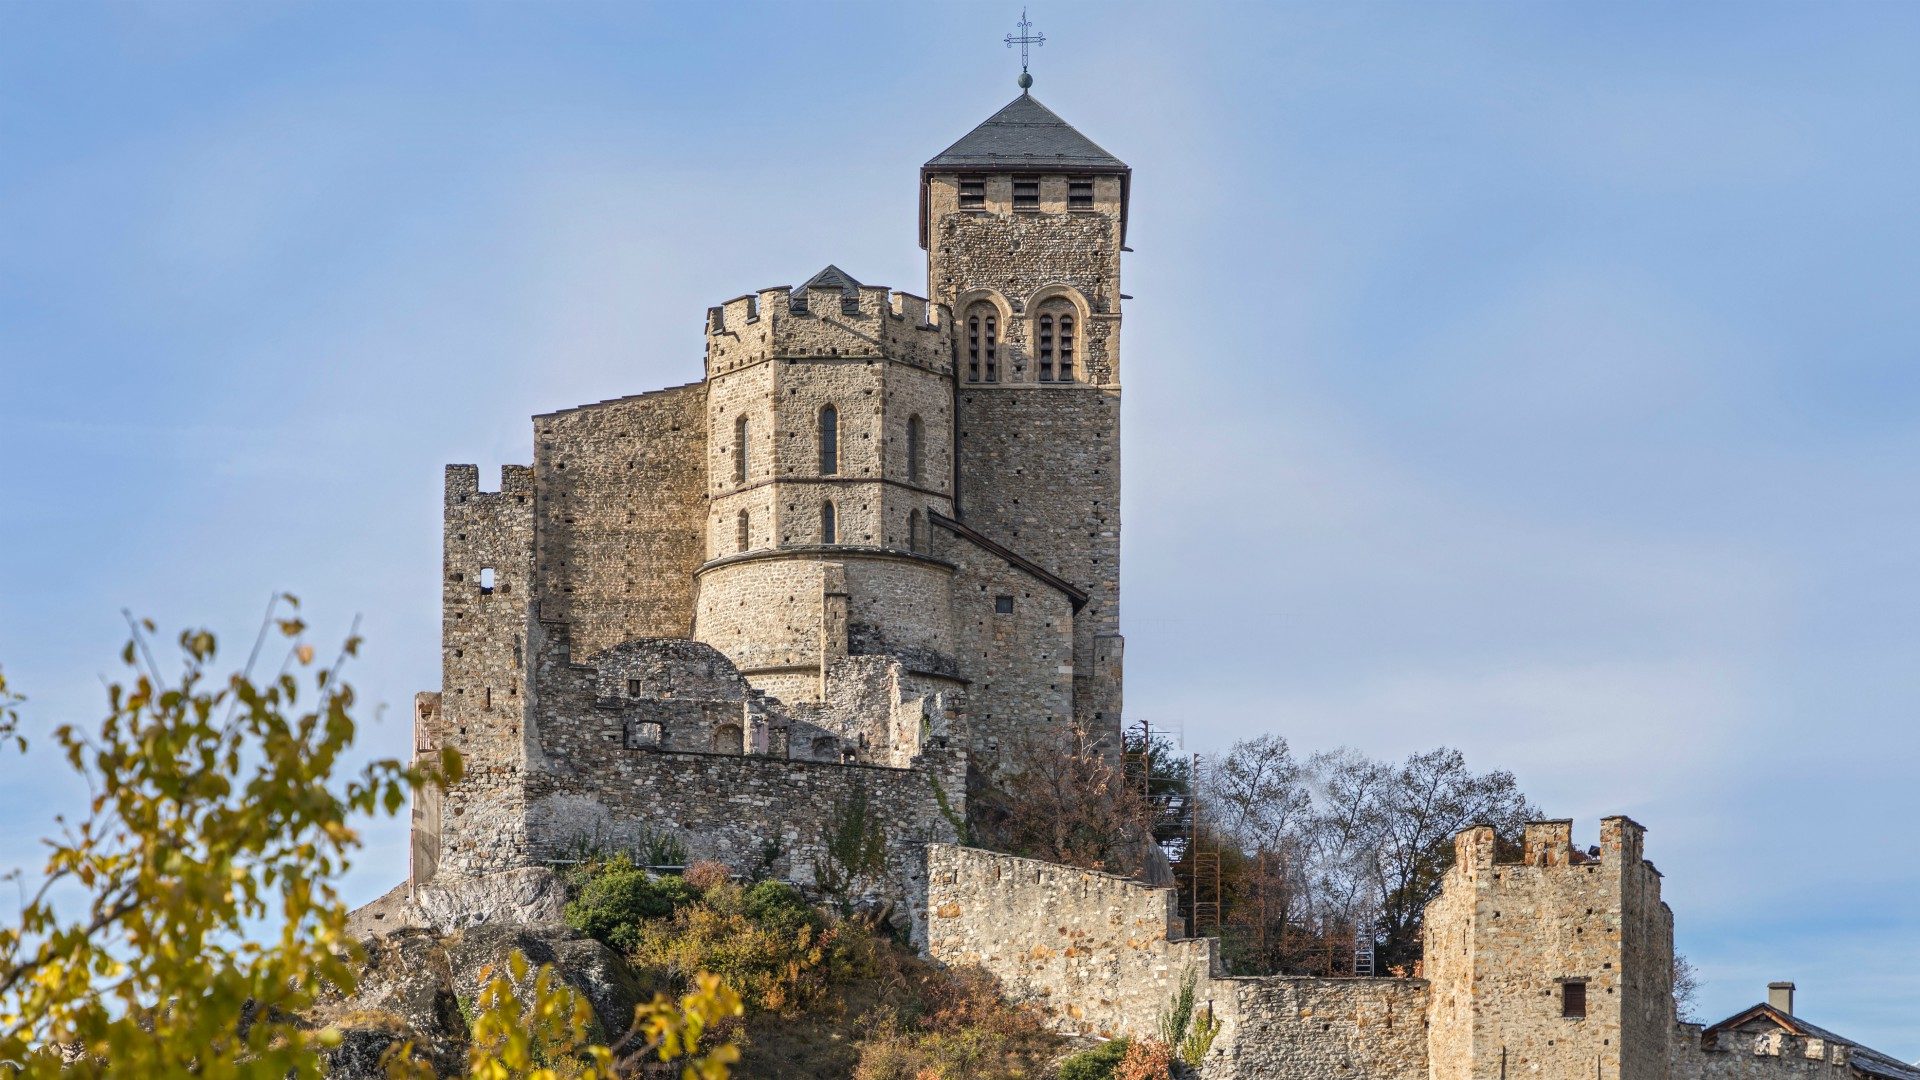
(1559,964)
(1023,221)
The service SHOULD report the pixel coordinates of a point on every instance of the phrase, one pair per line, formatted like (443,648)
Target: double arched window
(916,434)
(829,528)
(1054,341)
(983,342)
(829,437)
(742,446)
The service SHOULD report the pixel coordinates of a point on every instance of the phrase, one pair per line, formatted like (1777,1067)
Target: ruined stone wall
(1504,939)
(486,582)
(621,514)
(1021,661)
(745,810)
(1097,954)
(1738,1055)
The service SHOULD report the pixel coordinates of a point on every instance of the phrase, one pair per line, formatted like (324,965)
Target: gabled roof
(1026,134)
(1864,1061)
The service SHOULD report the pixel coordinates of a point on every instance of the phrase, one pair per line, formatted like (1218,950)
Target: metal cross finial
(1025,38)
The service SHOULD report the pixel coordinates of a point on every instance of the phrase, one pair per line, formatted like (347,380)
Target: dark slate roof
(831,278)
(1026,134)
(1864,1060)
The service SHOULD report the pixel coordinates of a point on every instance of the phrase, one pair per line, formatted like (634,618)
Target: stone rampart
(1100,955)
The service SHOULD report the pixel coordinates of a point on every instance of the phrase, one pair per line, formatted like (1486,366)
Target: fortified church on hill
(875,548)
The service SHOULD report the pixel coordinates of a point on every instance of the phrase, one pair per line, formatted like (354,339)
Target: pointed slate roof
(831,278)
(1026,134)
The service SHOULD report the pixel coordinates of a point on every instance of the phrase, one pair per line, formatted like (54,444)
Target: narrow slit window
(829,441)
(1079,194)
(992,353)
(486,580)
(742,446)
(1573,999)
(743,531)
(829,528)
(973,348)
(1046,348)
(1026,194)
(973,194)
(916,431)
(1066,349)
(913,531)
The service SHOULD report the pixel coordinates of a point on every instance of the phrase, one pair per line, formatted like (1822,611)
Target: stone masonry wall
(1754,1056)
(621,514)
(487,595)
(1097,954)
(1022,660)
(1504,939)
(745,810)
(1040,473)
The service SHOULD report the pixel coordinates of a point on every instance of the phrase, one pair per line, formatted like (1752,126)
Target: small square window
(642,735)
(1079,194)
(633,687)
(1026,194)
(1573,999)
(1003,605)
(973,194)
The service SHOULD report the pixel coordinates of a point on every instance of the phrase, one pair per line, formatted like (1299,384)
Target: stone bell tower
(1023,221)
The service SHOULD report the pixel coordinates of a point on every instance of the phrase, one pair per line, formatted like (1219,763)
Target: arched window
(915,432)
(983,342)
(913,531)
(728,739)
(743,529)
(829,528)
(742,443)
(1054,341)
(829,441)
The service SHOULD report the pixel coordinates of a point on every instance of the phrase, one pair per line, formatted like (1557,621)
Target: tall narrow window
(743,531)
(915,432)
(486,580)
(1053,339)
(829,441)
(983,343)
(973,194)
(742,444)
(913,531)
(829,528)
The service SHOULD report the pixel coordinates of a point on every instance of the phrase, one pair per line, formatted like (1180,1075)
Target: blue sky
(1534,378)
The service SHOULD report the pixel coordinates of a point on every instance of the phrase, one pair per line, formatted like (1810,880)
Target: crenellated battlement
(827,321)
(463,483)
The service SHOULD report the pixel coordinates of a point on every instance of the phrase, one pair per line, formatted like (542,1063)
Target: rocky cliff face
(423,974)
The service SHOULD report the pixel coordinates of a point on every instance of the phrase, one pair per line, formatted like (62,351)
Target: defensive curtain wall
(1103,955)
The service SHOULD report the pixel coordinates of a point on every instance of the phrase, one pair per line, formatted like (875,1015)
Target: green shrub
(616,898)
(1097,1063)
(767,942)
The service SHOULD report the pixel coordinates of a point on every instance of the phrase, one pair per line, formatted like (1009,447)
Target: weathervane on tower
(1025,37)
